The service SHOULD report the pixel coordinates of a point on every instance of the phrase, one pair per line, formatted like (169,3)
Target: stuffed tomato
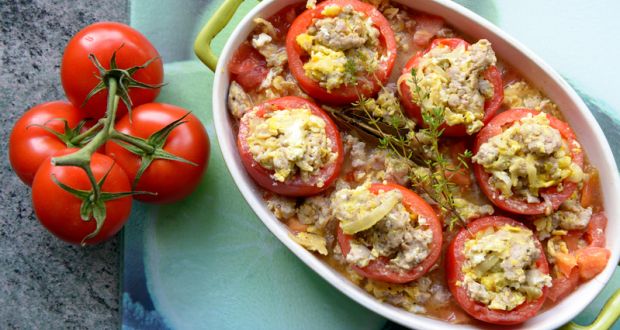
(341,50)
(497,271)
(459,78)
(290,146)
(387,232)
(527,162)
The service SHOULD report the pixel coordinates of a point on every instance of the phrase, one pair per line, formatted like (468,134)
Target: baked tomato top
(286,175)
(381,269)
(552,196)
(345,61)
(456,258)
(491,74)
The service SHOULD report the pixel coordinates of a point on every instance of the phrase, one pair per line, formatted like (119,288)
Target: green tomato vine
(117,82)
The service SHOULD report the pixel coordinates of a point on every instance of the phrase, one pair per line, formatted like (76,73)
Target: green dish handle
(609,314)
(217,22)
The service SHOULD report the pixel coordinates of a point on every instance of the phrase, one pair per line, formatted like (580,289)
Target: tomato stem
(82,136)
(82,157)
(138,142)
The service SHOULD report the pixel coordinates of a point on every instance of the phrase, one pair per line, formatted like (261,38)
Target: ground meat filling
(570,216)
(500,268)
(529,156)
(382,227)
(342,46)
(290,142)
(453,80)
(521,95)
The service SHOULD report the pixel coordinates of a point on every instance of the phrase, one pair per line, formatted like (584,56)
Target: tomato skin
(294,186)
(376,269)
(344,94)
(454,262)
(78,73)
(491,105)
(248,67)
(427,27)
(562,286)
(591,261)
(513,204)
(59,211)
(171,180)
(565,262)
(283,19)
(29,145)
(595,232)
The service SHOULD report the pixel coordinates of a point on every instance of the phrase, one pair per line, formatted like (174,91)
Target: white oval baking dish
(511,52)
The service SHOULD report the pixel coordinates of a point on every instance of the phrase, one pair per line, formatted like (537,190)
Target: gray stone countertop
(46,283)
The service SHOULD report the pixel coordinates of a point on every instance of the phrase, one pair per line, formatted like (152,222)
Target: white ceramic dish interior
(510,51)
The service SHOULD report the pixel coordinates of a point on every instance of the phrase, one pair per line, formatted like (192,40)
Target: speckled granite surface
(44,282)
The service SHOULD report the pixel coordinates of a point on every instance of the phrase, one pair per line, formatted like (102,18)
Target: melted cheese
(382,227)
(312,242)
(452,80)
(290,142)
(500,268)
(528,156)
(341,45)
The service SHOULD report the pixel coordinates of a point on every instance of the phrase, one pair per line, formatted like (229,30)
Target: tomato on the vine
(30,144)
(170,180)
(79,74)
(60,211)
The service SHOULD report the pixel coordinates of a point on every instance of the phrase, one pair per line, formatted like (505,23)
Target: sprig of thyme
(421,149)
(440,167)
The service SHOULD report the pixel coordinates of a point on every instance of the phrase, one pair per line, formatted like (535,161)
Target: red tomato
(595,232)
(562,286)
(565,262)
(283,19)
(248,67)
(426,28)
(572,240)
(294,186)
(590,193)
(552,194)
(170,180)
(454,263)
(59,211)
(490,105)
(78,73)
(366,86)
(378,269)
(591,261)
(30,145)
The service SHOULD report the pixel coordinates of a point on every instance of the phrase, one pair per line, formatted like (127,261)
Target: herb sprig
(421,149)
